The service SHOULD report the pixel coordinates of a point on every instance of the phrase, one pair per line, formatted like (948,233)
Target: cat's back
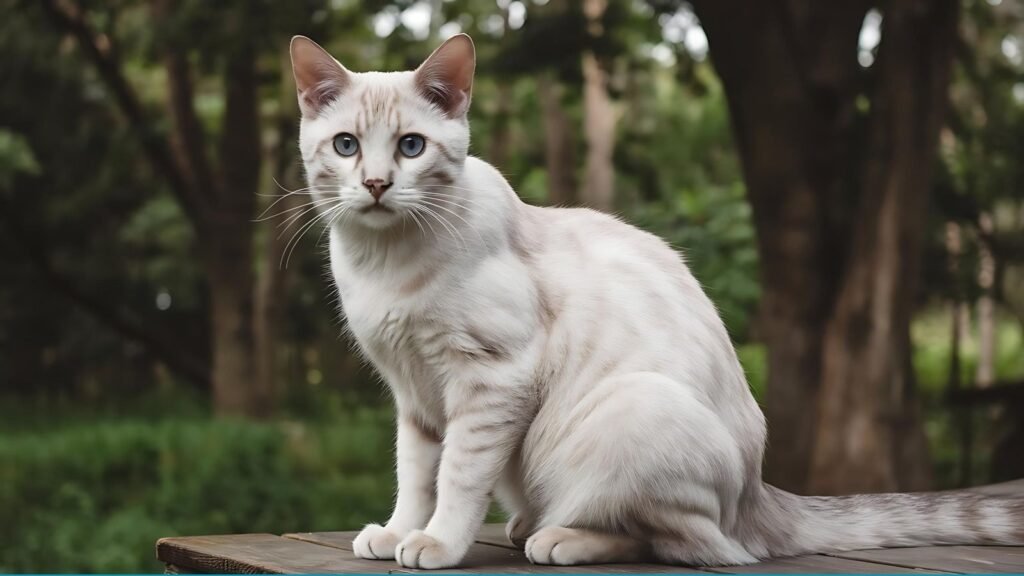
(622,294)
(600,247)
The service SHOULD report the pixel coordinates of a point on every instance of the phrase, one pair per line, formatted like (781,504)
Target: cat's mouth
(376,207)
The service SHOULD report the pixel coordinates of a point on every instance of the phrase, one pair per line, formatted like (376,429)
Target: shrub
(94,497)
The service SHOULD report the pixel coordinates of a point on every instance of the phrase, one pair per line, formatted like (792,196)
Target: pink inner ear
(446,77)
(318,76)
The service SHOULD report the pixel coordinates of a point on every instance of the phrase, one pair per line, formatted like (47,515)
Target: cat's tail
(784,524)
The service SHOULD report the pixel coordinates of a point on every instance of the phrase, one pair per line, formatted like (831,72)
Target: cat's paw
(557,546)
(518,529)
(423,551)
(376,542)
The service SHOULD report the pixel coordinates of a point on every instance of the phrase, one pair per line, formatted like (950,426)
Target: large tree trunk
(867,410)
(792,110)
(229,241)
(229,279)
(794,116)
(559,145)
(599,120)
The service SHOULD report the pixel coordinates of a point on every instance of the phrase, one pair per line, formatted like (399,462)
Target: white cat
(559,358)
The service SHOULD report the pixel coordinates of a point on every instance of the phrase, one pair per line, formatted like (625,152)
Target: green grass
(94,497)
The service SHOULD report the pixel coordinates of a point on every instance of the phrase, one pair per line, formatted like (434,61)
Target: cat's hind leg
(560,546)
(640,463)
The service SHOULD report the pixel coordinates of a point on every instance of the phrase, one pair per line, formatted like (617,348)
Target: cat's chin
(377,217)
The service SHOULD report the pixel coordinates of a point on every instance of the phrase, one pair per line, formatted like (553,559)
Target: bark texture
(559,144)
(837,289)
(599,120)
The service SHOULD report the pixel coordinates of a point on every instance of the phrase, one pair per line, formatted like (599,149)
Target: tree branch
(189,137)
(69,17)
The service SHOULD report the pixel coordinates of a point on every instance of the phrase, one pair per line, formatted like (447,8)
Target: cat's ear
(446,77)
(319,78)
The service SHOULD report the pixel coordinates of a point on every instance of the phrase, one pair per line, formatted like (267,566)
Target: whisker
(280,197)
(452,196)
(333,221)
(453,213)
(469,209)
(419,209)
(289,221)
(262,218)
(293,242)
(412,213)
(448,226)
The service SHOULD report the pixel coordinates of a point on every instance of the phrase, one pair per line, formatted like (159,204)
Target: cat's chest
(394,330)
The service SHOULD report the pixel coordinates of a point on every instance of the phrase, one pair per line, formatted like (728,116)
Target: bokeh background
(845,178)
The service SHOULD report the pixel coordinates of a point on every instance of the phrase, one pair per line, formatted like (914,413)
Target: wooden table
(331,552)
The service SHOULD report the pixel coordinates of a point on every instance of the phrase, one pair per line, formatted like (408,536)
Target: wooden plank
(486,557)
(494,534)
(339,540)
(816,564)
(259,553)
(1011,488)
(972,559)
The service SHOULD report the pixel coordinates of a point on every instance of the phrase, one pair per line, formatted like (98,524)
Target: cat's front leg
(486,424)
(418,450)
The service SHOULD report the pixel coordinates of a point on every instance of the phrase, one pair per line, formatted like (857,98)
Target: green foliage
(95,496)
(15,157)
(682,181)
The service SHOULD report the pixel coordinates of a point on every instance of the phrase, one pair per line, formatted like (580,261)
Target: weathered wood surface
(331,552)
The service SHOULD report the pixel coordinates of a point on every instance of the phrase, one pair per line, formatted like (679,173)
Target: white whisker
(289,221)
(297,237)
(453,213)
(262,218)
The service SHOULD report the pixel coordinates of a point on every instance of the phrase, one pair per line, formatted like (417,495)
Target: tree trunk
(599,119)
(986,373)
(229,242)
(230,288)
(794,116)
(498,148)
(792,111)
(867,413)
(559,146)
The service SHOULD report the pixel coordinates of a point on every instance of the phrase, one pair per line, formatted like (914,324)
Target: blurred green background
(162,373)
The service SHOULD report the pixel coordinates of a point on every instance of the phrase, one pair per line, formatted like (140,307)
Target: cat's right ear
(319,78)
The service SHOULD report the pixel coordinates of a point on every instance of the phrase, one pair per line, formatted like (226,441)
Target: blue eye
(411,145)
(346,144)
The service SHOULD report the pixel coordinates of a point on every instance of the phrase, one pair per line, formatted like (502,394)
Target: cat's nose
(376,186)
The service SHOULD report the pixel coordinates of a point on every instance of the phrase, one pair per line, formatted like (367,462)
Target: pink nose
(376,186)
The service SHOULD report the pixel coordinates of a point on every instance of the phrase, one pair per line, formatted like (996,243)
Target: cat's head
(380,146)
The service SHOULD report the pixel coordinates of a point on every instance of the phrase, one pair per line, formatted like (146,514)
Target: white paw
(518,529)
(420,550)
(557,546)
(376,542)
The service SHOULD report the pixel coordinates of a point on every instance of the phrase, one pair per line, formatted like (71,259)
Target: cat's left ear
(446,77)
(319,78)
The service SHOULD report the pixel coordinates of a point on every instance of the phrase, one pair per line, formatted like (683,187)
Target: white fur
(559,357)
